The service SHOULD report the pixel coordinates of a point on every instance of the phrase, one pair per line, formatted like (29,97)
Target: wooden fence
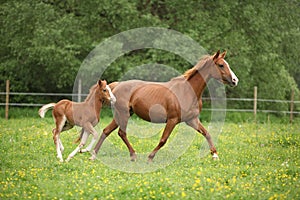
(79,96)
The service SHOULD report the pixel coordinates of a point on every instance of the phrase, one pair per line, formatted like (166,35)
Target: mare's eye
(221,66)
(104,90)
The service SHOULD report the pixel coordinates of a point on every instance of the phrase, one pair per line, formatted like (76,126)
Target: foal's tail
(45,108)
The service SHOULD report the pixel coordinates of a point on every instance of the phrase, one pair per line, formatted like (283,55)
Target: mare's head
(221,70)
(104,93)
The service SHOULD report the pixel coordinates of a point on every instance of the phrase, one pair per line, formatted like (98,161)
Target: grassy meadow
(257,161)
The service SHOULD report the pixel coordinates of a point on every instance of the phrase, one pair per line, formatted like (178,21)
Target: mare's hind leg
(106,132)
(167,131)
(196,124)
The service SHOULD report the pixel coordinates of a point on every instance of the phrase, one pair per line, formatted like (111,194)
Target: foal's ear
(101,83)
(216,56)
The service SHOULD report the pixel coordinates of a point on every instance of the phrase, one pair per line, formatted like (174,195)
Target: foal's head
(221,70)
(103,93)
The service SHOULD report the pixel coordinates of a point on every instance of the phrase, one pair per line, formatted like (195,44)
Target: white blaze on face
(234,78)
(112,96)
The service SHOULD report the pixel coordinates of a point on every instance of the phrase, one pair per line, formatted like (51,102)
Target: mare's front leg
(106,132)
(171,123)
(122,118)
(196,124)
(123,135)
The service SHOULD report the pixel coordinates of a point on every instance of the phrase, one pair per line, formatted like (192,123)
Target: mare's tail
(45,108)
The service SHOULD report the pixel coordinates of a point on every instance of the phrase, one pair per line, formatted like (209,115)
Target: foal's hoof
(83,150)
(68,159)
(215,156)
(60,159)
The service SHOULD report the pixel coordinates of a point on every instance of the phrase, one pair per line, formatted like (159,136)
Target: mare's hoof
(133,157)
(93,157)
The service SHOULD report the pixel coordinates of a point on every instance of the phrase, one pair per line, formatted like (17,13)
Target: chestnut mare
(66,114)
(178,100)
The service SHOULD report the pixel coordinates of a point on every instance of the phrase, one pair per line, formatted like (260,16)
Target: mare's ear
(216,56)
(223,54)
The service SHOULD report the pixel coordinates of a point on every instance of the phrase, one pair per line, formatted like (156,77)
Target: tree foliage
(44,42)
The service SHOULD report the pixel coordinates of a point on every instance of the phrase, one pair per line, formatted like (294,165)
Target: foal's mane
(201,64)
(91,92)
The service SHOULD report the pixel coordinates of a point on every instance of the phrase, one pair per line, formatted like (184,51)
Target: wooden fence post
(255,103)
(7,99)
(79,91)
(292,106)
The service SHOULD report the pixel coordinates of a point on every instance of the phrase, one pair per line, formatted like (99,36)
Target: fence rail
(79,96)
(204,98)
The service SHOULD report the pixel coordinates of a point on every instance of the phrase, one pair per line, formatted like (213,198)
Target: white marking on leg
(84,138)
(59,154)
(61,146)
(58,142)
(215,156)
(73,153)
(89,148)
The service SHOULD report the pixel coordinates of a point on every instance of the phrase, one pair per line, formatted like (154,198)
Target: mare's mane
(201,64)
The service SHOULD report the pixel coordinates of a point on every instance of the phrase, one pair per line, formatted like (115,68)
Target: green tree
(44,42)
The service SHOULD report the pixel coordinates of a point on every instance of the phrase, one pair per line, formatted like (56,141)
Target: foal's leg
(66,127)
(89,127)
(196,124)
(106,132)
(90,146)
(82,143)
(167,131)
(62,148)
(59,121)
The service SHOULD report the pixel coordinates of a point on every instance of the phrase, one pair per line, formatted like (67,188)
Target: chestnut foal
(85,114)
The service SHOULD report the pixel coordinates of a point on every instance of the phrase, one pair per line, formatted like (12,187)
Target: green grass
(257,161)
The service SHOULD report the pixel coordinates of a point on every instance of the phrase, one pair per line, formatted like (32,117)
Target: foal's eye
(221,66)
(104,90)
